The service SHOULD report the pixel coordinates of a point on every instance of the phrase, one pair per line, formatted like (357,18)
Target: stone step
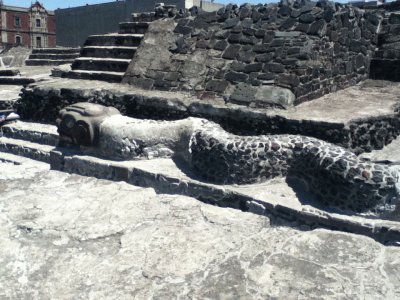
(53,56)
(32,132)
(133,27)
(114,39)
(101,64)
(109,51)
(385,69)
(55,50)
(6,104)
(15,80)
(9,72)
(26,149)
(96,75)
(48,62)
(143,17)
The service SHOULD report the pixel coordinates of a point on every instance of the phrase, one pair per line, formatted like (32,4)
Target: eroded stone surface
(66,236)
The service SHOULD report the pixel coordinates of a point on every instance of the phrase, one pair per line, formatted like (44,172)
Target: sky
(54,4)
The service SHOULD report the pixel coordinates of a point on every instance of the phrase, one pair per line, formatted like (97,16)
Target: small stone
(275,146)
(231,52)
(366,174)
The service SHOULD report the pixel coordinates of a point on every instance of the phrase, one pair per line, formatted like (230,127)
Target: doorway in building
(18,40)
(38,42)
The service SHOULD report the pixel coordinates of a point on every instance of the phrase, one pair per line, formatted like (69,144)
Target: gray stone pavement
(66,236)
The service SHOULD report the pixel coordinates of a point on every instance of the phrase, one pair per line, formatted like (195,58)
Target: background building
(32,27)
(75,24)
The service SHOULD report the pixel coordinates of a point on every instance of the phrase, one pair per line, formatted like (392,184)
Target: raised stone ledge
(351,118)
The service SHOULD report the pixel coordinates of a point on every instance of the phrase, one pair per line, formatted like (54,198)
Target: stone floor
(70,237)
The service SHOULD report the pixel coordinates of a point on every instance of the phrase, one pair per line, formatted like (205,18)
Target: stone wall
(43,105)
(386,62)
(250,53)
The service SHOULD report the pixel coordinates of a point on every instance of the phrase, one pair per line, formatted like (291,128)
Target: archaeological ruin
(243,153)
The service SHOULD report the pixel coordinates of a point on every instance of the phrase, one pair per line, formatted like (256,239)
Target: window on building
(38,23)
(18,40)
(17,21)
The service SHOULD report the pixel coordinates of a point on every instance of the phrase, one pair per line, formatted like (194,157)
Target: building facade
(32,27)
(75,24)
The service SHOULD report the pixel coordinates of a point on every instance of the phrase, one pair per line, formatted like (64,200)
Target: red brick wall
(26,40)
(52,41)
(11,20)
(51,24)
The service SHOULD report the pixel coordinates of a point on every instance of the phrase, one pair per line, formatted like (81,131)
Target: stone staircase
(31,140)
(385,65)
(13,77)
(52,56)
(107,57)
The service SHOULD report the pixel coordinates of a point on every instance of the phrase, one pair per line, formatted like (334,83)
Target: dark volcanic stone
(318,28)
(288,79)
(307,18)
(255,67)
(394,19)
(284,11)
(246,56)
(234,38)
(355,46)
(302,27)
(275,68)
(236,77)
(266,76)
(266,57)
(288,23)
(221,45)
(277,43)
(218,86)
(231,52)
(230,23)
(183,29)
(260,33)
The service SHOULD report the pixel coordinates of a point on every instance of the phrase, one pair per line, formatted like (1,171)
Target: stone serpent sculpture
(336,176)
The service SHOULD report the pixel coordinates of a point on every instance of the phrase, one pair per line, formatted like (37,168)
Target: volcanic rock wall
(386,63)
(259,55)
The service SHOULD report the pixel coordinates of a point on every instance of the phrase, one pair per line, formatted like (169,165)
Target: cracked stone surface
(66,236)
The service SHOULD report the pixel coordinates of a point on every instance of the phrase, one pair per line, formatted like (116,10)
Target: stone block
(288,79)
(275,68)
(218,86)
(236,77)
(182,29)
(221,45)
(246,56)
(262,96)
(237,66)
(307,18)
(231,52)
(266,57)
(254,67)
(234,38)
(317,28)
(230,23)
(394,18)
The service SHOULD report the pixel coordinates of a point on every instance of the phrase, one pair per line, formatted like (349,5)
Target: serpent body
(336,176)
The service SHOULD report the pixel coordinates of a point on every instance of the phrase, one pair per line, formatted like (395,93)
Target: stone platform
(68,236)
(363,118)
(8,95)
(283,198)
